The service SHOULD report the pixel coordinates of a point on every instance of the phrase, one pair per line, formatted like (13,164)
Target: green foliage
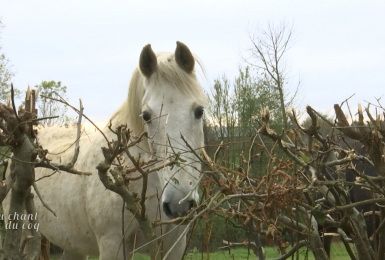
(5,77)
(251,96)
(223,108)
(235,110)
(209,233)
(47,107)
(235,253)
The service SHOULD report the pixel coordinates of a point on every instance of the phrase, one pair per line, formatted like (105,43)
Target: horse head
(171,109)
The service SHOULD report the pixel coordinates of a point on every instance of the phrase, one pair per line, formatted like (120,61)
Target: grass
(338,252)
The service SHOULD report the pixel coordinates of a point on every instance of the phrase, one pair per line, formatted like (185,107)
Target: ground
(338,253)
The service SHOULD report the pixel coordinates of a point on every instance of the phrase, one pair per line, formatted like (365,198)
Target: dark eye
(198,112)
(146,116)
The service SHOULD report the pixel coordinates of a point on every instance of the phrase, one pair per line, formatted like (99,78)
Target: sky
(93,46)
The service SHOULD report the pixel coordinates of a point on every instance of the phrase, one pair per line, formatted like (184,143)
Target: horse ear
(147,61)
(184,57)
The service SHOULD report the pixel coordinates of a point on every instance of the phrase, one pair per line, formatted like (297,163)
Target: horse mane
(168,73)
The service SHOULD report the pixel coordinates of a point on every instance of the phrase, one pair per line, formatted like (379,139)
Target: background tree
(234,111)
(315,185)
(267,57)
(235,107)
(5,75)
(47,107)
(234,118)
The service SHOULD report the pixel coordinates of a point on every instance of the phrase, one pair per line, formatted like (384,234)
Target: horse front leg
(110,247)
(174,244)
(70,255)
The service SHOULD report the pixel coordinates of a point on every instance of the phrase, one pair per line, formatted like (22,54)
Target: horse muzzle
(178,209)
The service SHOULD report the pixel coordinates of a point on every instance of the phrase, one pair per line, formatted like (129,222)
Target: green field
(338,253)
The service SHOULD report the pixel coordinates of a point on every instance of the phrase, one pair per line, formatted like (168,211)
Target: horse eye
(146,116)
(198,112)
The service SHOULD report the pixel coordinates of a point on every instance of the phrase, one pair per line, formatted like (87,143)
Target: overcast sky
(337,49)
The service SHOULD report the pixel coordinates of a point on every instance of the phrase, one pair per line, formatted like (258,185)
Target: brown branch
(59,167)
(71,164)
(344,125)
(42,201)
(294,249)
(63,101)
(13,103)
(357,204)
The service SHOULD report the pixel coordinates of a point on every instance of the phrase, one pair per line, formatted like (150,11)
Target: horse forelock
(167,73)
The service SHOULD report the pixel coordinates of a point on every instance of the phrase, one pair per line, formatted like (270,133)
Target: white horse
(166,101)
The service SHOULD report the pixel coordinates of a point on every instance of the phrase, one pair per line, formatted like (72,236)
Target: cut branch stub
(344,125)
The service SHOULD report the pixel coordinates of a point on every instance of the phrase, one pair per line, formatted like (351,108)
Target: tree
(5,76)
(47,107)
(252,94)
(236,108)
(267,57)
(326,188)
(18,135)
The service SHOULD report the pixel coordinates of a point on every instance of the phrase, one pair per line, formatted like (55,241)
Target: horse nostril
(167,209)
(191,204)
(174,210)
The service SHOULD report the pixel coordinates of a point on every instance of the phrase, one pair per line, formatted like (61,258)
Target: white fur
(88,218)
